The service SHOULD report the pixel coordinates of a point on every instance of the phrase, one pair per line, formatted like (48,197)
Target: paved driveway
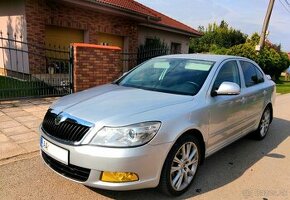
(247,169)
(19,122)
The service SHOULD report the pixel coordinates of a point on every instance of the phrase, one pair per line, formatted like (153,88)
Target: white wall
(12,21)
(164,36)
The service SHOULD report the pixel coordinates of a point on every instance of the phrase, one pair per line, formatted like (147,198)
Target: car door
(254,92)
(226,111)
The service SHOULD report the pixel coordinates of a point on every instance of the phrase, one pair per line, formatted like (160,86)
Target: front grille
(70,171)
(67,130)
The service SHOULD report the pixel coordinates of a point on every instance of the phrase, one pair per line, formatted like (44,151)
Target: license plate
(54,151)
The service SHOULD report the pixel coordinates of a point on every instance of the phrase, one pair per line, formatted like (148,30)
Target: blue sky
(245,15)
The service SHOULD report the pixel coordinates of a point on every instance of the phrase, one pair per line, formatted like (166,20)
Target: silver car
(155,125)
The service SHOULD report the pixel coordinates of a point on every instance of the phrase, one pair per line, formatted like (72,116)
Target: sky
(245,15)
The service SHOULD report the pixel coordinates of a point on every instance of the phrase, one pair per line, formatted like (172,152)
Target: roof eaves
(112,6)
(172,29)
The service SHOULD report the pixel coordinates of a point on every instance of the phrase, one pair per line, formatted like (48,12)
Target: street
(247,169)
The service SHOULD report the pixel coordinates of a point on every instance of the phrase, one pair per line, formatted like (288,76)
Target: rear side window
(251,73)
(260,76)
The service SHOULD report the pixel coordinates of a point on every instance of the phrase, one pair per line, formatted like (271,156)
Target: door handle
(265,92)
(242,100)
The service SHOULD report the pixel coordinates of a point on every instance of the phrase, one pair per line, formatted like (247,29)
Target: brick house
(123,23)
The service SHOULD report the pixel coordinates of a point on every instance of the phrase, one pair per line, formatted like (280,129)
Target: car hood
(112,102)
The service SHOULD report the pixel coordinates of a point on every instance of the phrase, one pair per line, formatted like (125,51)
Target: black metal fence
(146,54)
(39,70)
(131,60)
(29,70)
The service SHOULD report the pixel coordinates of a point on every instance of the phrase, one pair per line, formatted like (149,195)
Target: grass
(282,87)
(13,88)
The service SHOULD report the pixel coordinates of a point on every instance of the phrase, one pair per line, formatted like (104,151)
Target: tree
(270,59)
(216,37)
(222,39)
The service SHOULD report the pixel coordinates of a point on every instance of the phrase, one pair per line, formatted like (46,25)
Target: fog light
(117,177)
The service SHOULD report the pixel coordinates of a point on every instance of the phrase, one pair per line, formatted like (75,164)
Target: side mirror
(227,88)
(268,77)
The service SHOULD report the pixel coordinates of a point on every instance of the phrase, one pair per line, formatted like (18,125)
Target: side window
(260,76)
(251,73)
(229,72)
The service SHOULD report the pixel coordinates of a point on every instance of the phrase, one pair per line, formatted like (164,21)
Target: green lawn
(12,88)
(282,86)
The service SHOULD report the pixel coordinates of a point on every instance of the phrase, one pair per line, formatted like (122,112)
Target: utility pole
(265,25)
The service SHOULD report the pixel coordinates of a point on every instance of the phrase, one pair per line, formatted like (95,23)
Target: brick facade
(95,65)
(40,13)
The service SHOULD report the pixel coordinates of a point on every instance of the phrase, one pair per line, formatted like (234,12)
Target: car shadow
(221,168)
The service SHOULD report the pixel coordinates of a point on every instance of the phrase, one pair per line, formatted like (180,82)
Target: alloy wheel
(184,166)
(265,122)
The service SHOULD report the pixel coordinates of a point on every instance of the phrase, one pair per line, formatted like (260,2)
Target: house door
(56,37)
(57,42)
(110,40)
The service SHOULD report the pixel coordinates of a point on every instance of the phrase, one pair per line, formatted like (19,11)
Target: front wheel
(180,166)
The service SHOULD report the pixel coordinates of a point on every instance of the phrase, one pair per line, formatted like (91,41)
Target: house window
(150,41)
(175,48)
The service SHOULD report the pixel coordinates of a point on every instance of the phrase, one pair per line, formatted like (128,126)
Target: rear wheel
(180,166)
(264,124)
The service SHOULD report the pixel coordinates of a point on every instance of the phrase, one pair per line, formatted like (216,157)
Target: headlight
(126,136)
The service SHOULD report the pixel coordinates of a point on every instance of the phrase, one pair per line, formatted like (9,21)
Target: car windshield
(170,75)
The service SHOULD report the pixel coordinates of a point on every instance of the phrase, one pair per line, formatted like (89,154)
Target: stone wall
(95,65)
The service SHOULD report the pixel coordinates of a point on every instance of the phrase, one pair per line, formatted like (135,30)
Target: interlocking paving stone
(16,130)
(25,137)
(38,102)
(9,124)
(11,109)
(18,113)
(35,129)
(30,146)
(3,138)
(32,109)
(2,106)
(44,107)
(5,118)
(9,149)
(38,112)
(26,118)
(19,125)
(32,124)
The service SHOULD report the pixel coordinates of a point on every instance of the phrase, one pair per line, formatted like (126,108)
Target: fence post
(71,68)
(95,65)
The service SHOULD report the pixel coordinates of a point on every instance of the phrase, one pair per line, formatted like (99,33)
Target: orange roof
(161,19)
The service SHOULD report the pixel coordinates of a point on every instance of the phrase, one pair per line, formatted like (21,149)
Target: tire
(173,177)
(264,124)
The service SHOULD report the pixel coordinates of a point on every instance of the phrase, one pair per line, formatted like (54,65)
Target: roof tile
(140,8)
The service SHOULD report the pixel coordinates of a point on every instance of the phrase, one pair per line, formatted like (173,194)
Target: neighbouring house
(39,25)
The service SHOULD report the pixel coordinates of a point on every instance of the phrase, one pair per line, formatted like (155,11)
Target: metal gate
(33,70)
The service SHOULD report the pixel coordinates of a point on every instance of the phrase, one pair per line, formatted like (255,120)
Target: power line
(286,8)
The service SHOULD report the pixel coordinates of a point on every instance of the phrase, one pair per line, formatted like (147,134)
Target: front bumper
(146,161)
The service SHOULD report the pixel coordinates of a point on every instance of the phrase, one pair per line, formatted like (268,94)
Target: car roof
(197,56)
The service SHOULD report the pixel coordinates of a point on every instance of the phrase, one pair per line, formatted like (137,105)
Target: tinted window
(171,75)
(228,73)
(251,73)
(260,76)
